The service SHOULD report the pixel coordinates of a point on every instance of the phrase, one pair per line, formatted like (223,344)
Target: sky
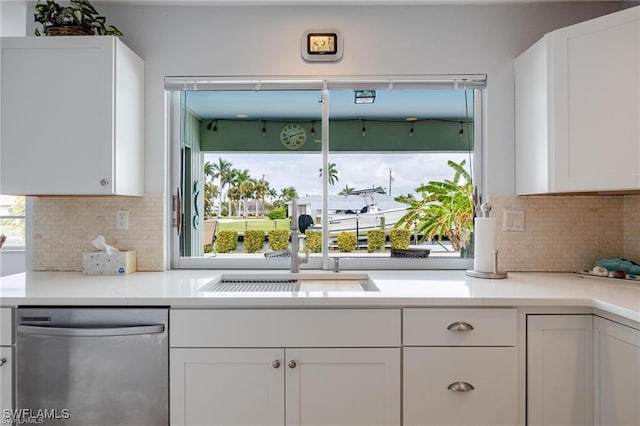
(359,171)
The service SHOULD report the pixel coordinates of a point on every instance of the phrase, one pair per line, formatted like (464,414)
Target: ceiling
(305,104)
(314,2)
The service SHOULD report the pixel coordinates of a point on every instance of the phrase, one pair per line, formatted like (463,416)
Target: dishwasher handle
(91,331)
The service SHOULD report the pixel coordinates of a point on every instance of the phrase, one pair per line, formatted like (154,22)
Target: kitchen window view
(398,186)
(12,222)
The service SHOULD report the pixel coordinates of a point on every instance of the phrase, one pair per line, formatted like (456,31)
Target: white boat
(358,211)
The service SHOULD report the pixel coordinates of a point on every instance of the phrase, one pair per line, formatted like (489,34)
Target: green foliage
(313,241)
(279,213)
(347,241)
(400,238)
(279,239)
(375,240)
(253,240)
(445,208)
(79,13)
(227,241)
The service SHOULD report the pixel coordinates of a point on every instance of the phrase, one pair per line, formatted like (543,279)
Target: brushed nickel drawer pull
(292,364)
(3,361)
(460,387)
(460,326)
(276,363)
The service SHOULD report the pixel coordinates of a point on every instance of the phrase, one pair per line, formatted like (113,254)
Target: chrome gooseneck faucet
(296,258)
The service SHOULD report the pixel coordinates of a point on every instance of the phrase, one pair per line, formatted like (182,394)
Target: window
(247,148)
(12,222)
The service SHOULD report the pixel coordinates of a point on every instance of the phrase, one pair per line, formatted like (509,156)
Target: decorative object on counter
(485,262)
(108,260)
(613,274)
(614,268)
(616,264)
(79,18)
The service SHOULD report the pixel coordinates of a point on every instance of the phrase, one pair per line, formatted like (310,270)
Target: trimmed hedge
(227,241)
(278,213)
(375,240)
(253,240)
(347,241)
(313,242)
(279,239)
(400,238)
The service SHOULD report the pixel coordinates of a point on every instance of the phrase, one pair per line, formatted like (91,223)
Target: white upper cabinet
(72,117)
(578,108)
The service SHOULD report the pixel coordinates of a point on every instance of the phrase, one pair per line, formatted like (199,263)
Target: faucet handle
(306,256)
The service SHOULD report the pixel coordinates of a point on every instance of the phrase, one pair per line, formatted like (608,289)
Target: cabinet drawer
(6,327)
(446,327)
(284,328)
(429,372)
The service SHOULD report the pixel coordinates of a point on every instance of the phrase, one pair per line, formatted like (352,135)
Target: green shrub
(400,238)
(253,240)
(347,241)
(279,239)
(375,240)
(313,242)
(279,213)
(226,241)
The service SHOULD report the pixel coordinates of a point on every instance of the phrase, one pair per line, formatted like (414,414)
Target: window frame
(175,85)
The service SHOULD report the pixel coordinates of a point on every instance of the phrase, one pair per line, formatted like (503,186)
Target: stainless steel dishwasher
(104,366)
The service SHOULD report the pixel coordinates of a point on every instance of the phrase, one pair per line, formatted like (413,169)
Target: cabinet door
(359,386)
(617,374)
(6,378)
(434,380)
(560,370)
(227,387)
(595,69)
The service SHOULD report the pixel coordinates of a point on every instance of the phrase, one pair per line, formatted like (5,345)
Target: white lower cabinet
(560,370)
(324,386)
(460,367)
(227,386)
(6,379)
(277,366)
(437,392)
(617,374)
(6,361)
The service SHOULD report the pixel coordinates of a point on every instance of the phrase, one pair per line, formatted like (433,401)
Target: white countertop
(179,288)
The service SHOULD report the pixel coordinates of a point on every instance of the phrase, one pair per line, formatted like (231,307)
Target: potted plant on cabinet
(79,18)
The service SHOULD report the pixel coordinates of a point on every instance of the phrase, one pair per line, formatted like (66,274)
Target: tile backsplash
(561,233)
(567,233)
(63,228)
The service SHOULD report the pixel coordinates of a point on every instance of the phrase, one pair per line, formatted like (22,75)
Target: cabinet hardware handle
(104,182)
(276,363)
(3,361)
(460,326)
(292,364)
(460,387)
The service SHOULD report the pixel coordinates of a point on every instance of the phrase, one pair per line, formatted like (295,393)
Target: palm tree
(242,181)
(346,190)
(332,175)
(261,189)
(222,171)
(210,194)
(445,208)
(288,193)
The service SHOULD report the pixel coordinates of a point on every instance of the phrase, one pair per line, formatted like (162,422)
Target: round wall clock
(293,135)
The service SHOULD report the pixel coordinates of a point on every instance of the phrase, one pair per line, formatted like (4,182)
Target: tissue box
(100,263)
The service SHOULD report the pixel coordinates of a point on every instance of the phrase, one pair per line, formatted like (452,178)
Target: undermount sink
(289,282)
